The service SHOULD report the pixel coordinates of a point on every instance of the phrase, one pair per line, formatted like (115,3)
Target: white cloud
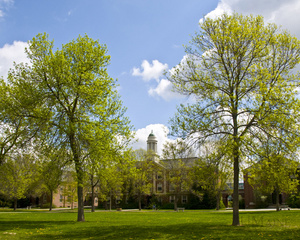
(220,9)
(159,130)
(164,90)
(282,12)
(4,5)
(12,53)
(150,71)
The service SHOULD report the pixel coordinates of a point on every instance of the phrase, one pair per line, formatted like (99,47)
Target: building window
(159,187)
(159,175)
(184,199)
(172,199)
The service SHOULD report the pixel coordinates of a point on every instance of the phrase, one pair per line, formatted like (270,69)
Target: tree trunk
(218,200)
(175,202)
(79,173)
(277,200)
(15,204)
(93,198)
(236,218)
(110,201)
(72,203)
(80,216)
(51,200)
(140,202)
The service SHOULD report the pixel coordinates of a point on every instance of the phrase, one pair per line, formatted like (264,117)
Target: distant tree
(212,170)
(275,170)
(142,174)
(68,185)
(70,92)
(178,162)
(110,183)
(238,69)
(51,171)
(16,176)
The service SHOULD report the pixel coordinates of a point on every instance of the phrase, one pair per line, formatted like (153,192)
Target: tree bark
(79,173)
(218,200)
(236,218)
(110,202)
(80,216)
(175,202)
(51,200)
(277,200)
(140,202)
(15,204)
(93,197)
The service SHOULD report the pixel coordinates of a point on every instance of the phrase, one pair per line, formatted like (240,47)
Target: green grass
(149,225)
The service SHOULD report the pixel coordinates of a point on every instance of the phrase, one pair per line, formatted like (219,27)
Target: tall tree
(239,71)
(70,90)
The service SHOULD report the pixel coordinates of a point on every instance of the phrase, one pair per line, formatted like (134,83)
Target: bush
(222,205)
(294,201)
(47,205)
(242,204)
(168,206)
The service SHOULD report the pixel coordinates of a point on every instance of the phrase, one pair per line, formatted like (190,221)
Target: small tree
(110,183)
(276,169)
(178,163)
(141,174)
(212,170)
(16,176)
(69,184)
(51,174)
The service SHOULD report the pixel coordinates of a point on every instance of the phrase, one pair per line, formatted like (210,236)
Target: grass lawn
(149,225)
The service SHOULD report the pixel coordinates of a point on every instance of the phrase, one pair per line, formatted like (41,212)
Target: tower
(152,143)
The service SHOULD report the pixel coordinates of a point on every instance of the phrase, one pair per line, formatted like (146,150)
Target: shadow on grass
(29,225)
(151,225)
(177,231)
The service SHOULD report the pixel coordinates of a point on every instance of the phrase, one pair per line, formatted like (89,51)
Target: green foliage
(141,174)
(16,176)
(276,170)
(294,201)
(178,163)
(47,205)
(212,170)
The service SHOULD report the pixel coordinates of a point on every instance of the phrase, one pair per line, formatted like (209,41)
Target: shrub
(294,201)
(47,205)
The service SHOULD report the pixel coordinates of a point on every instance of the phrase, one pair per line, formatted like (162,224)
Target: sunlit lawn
(149,225)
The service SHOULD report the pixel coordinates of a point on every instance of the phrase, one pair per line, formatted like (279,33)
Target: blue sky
(143,37)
